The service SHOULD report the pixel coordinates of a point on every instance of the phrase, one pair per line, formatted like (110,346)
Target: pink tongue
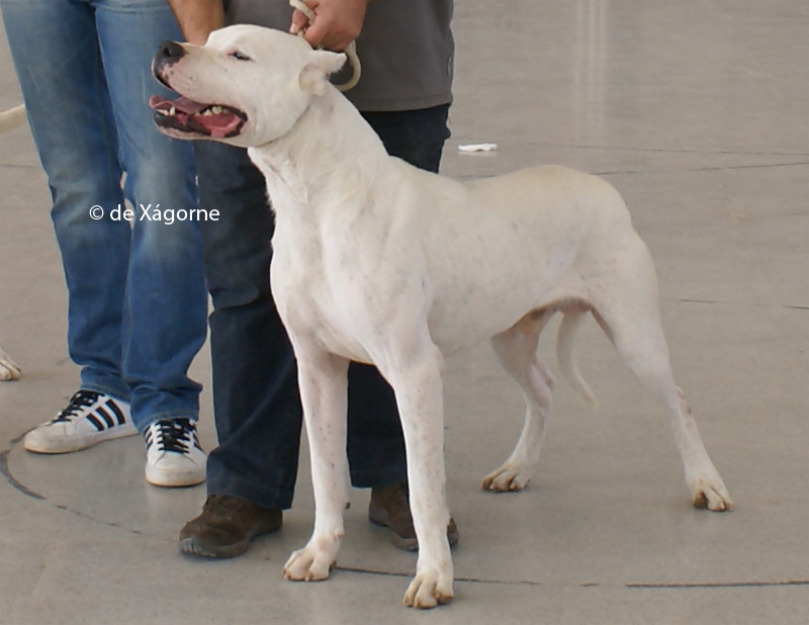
(221,125)
(182,104)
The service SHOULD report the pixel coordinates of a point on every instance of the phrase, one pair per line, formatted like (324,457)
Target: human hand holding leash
(336,24)
(336,29)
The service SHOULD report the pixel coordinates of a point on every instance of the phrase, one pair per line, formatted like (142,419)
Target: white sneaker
(89,418)
(173,453)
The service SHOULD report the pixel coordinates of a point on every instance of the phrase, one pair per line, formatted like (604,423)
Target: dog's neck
(309,169)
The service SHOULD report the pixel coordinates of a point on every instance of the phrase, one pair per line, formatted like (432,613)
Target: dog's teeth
(172,111)
(217,110)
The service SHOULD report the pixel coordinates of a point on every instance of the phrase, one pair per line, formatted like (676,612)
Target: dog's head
(247,86)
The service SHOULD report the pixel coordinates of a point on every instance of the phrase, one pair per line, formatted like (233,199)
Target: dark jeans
(256,404)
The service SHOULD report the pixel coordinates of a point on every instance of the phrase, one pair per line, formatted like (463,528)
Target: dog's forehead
(256,38)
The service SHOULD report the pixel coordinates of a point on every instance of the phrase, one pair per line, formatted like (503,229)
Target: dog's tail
(571,320)
(12,118)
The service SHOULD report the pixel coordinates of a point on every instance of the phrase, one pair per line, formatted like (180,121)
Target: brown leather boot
(390,507)
(226,527)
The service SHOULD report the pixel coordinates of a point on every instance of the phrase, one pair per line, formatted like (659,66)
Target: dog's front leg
(417,382)
(323,384)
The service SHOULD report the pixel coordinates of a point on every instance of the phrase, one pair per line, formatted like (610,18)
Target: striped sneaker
(174,456)
(89,418)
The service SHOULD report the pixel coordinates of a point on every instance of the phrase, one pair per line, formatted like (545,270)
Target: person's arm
(337,22)
(197,18)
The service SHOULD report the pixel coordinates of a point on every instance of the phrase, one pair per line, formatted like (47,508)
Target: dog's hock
(315,74)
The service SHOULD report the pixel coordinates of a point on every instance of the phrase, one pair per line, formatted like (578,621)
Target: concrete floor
(698,113)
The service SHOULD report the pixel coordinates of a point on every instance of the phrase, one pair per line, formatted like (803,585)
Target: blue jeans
(256,405)
(137,297)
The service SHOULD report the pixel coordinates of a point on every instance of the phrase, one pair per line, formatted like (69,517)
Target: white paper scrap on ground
(477,147)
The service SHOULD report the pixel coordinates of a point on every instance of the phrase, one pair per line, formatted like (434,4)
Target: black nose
(169,52)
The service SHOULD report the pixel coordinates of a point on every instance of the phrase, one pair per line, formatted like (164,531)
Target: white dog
(379,262)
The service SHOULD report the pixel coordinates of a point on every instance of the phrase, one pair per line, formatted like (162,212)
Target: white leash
(351,49)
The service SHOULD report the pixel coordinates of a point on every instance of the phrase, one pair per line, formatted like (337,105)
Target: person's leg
(256,403)
(252,473)
(55,50)
(165,307)
(166,299)
(54,45)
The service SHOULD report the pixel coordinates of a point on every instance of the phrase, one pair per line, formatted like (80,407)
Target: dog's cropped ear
(321,64)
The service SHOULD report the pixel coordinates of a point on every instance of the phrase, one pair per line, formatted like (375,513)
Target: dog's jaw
(185,119)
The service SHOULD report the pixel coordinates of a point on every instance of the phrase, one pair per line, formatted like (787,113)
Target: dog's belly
(470,315)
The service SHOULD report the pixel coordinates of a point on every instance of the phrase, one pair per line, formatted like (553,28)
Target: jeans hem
(163,416)
(272,498)
(99,388)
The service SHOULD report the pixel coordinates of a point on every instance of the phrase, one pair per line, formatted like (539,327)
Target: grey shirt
(406,50)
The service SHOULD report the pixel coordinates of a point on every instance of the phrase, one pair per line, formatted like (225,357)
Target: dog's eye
(240,56)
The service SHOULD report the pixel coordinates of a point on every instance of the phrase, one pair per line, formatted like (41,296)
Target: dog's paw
(509,477)
(429,589)
(8,368)
(309,564)
(711,495)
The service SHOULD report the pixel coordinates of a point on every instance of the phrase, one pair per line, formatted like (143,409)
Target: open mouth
(216,121)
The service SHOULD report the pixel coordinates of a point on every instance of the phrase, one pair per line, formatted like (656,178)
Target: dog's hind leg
(630,316)
(517,350)
(323,385)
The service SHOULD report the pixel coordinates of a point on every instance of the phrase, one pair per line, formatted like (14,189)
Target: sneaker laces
(172,435)
(80,400)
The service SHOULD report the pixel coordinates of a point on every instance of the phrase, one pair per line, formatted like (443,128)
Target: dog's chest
(314,298)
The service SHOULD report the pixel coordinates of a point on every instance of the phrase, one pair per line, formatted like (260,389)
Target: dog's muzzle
(185,118)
